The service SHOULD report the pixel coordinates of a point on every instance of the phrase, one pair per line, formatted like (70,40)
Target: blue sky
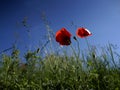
(101,17)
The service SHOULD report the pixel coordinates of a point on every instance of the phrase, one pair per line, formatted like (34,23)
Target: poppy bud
(75,38)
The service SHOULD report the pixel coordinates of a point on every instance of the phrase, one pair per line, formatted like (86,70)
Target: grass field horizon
(91,71)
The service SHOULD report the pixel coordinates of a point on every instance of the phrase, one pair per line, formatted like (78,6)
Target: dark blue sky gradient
(101,17)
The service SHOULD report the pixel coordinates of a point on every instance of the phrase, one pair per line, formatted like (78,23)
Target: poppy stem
(77,45)
(87,43)
(78,48)
(74,51)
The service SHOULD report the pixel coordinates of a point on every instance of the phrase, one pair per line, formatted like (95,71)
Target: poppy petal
(83,32)
(63,37)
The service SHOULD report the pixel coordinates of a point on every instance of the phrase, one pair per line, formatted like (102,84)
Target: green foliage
(60,72)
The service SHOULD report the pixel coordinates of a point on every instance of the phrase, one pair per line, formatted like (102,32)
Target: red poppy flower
(63,37)
(83,32)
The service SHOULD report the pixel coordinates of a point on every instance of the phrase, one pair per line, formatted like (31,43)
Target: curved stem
(76,55)
(78,48)
(87,44)
(74,51)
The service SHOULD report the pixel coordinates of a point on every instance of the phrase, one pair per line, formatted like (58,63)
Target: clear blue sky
(101,17)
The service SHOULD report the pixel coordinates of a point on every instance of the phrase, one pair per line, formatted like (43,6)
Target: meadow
(60,72)
(54,71)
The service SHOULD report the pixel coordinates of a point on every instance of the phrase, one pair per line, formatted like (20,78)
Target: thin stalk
(44,45)
(112,55)
(77,45)
(74,51)
(87,43)
(78,48)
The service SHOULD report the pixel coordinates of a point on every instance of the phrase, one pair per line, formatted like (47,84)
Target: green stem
(87,44)
(74,51)
(78,48)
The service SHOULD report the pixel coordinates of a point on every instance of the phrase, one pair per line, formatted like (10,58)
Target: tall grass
(54,71)
(60,72)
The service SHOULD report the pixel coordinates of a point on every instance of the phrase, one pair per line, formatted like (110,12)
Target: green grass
(60,72)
